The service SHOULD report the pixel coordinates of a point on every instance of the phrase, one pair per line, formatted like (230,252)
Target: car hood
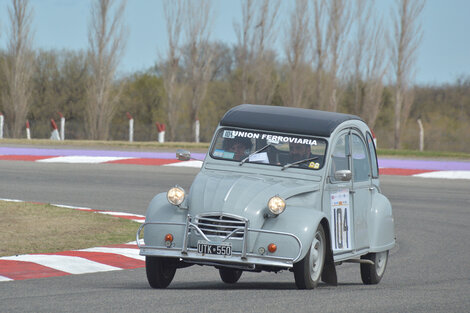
(244,195)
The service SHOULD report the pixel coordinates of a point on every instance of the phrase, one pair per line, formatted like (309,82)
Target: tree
(198,59)
(407,37)
(107,41)
(339,22)
(370,65)
(18,67)
(299,57)
(255,57)
(59,84)
(173,11)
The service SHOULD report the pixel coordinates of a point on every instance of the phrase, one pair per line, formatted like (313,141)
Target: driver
(239,147)
(298,151)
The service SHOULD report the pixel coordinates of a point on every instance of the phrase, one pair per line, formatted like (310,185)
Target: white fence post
(196,130)
(131,127)
(161,132)
(1,125)
(54,132)
(62,126)
(28,132)
(421,135)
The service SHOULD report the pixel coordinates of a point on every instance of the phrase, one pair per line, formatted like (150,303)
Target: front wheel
(308,272)
(230,275)
(160,271)
(372,274)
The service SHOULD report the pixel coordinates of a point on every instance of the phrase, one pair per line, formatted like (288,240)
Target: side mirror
(183,155)
(343,175)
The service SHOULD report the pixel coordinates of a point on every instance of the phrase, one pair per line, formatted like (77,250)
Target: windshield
(249,146)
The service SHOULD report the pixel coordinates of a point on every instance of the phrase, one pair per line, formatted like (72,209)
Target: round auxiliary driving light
(276,205)
(175,195)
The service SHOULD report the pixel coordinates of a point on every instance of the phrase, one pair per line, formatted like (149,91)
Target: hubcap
(316,256)
(380,262)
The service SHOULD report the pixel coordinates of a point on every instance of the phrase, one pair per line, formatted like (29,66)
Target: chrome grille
(220,225)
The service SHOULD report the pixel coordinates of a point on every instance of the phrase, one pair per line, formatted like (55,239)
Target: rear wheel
(160,271)
(308,272)
(372,274)
(230,275)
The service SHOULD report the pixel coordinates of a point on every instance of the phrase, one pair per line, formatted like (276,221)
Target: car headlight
(175,195)
(276,205)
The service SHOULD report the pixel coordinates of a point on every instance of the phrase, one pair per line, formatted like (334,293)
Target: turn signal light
(169,237)
(272,247)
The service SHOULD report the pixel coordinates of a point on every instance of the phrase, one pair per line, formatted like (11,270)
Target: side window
(373,156)
(360,160)
(339,157)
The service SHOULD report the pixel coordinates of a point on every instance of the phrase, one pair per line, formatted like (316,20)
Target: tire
(160,271)
(230,275)
(372,274)
(307,272)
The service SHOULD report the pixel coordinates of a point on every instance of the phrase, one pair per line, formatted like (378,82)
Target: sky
(443,56)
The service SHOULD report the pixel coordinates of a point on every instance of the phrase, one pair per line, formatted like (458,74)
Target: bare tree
(299,57)
(319,50)
(198,21)
(243,53)
(107,40)
(173,10)
(407,37)
(339,22)
(370,65)
(18,66)
(255,56)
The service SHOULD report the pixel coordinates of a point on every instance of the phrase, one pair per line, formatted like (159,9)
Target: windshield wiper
(257,151)
(298,162)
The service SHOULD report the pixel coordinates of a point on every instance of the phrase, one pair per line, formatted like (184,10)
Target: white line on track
(3,278)
(196,164)
(81,159)
(446,174)
(68,264)
(128,252)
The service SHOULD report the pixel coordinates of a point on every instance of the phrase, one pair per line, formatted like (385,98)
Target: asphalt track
(429,270)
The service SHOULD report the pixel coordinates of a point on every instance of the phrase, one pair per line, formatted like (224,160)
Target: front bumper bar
(241,259)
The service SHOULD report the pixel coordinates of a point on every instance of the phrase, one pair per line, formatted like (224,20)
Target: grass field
(41,228)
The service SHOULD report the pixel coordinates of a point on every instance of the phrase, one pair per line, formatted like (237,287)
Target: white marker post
(161,132)
(131,127)
(54,132)
(28,132)
(1,125)
(62,126)
(196,130)
(421,135)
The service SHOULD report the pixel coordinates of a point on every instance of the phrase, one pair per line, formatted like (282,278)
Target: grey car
(279,189)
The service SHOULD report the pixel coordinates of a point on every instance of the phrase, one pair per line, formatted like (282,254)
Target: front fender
(160,210)
(299,221)
(381,224)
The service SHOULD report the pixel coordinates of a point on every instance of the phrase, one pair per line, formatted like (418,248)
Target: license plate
(222,248)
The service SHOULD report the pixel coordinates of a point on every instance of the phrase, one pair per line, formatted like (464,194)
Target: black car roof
(285,119)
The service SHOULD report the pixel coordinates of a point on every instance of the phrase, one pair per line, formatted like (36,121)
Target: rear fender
(381,224)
